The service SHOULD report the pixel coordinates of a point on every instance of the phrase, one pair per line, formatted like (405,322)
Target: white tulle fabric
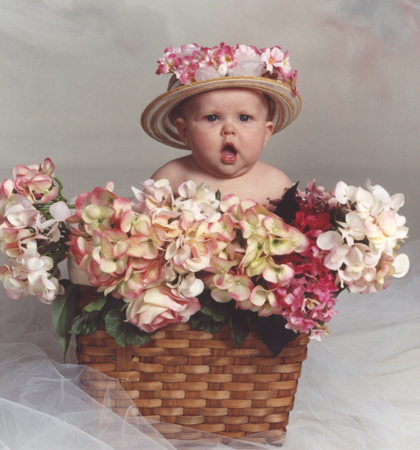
(359,389)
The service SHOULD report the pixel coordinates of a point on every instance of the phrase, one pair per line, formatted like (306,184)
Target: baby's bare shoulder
(273,176)
(265,182)
(172,170)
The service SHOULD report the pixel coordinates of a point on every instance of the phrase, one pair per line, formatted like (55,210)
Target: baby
(225,121)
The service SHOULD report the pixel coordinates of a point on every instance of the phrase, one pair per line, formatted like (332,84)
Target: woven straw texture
(196,379)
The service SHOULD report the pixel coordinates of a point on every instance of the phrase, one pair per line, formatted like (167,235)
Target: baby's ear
(269,128)
(181,126)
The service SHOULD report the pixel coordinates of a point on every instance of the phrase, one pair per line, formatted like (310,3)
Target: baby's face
(226,130)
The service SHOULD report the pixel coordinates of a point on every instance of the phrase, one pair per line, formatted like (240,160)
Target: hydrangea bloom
(362,247)
(247,268)
(148,250)
(33,231)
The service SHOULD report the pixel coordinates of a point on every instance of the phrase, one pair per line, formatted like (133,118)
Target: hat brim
(156,122)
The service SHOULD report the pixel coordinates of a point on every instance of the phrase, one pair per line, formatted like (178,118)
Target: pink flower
(317,196)
(293,83)
(6,189)
(166,63)
(47,167)
(286,68)
(272,57)
(6,193)
(35,182)
(185,74)
(225,59)
(159,306)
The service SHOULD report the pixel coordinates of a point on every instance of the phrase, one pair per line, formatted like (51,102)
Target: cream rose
(159,306)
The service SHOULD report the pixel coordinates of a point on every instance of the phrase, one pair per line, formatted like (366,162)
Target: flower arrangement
(192,63)
(160,259)
(33,232)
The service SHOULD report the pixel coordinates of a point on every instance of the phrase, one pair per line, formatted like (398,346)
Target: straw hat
(200,69)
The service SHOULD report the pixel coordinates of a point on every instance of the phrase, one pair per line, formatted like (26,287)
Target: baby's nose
(228,128)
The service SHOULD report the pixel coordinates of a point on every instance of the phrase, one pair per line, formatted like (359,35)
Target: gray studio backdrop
(75,76)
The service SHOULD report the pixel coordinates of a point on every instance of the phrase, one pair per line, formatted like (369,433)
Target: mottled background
(75,76)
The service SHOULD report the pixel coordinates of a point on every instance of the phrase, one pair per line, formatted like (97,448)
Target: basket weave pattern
(196,379)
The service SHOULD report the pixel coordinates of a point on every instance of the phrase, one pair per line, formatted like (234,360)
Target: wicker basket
(196,379)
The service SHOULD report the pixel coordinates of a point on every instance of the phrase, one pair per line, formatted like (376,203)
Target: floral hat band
(197,69)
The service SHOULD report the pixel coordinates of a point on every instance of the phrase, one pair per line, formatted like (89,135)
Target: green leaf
(239,322)
(217,311)
(96,305)
(63,313)
(93,315)
(87,323)
(123,332)
(204,322)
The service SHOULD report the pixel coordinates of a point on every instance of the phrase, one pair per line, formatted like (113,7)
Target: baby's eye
(244,118)
(211,117)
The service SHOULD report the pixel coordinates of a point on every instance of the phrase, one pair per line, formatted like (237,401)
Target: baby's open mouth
(228,154)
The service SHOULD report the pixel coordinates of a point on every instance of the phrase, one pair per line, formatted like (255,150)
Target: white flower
(206,73)
(247,69)
(60,212)
(29,274)
(222,70)
(401,265)
(344,193)
(155,195)
(188,286)
(353,227)
(246,53)
(365,202)
(20,213)
(333,241)
(199,200)
(14,286)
